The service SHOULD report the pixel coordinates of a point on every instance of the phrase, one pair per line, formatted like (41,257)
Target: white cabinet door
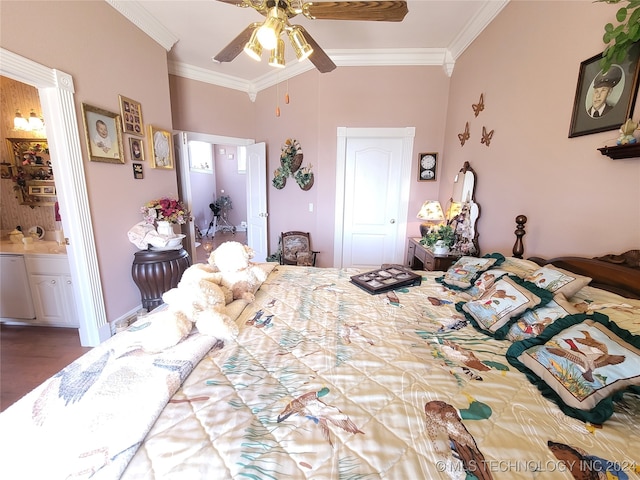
(52,290)
(15,294)
(48,298)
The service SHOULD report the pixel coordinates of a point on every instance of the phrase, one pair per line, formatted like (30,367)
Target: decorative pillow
(519,266)
(557,280)
(483,283)
(532,323)
(498,308)
(583,363)
(466,270)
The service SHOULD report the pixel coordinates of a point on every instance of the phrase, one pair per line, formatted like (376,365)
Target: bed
(328,381)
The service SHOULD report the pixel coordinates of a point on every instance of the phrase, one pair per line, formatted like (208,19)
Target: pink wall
(348,97)
(106,55)
(526,63)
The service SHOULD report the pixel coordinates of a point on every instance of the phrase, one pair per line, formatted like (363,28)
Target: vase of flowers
(164,213)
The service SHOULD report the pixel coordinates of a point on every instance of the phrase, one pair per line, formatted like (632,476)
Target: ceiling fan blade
(236,45)
(383,11)
(319,57)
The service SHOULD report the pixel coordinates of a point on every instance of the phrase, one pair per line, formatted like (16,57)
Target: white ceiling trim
(343,58)
(475,26)
(146,22)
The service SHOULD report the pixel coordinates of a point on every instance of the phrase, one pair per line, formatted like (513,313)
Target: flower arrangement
(165,209)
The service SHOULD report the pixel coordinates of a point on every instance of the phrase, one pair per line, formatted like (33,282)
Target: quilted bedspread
(326,381)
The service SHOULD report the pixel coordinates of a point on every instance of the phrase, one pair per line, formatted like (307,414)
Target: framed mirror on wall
(31,171)
(463,212)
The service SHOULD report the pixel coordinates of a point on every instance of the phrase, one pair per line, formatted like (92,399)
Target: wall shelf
(617,152)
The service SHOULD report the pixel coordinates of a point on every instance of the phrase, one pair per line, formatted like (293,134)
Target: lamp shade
(431,213)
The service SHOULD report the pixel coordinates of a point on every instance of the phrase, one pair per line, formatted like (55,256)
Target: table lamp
(431,213)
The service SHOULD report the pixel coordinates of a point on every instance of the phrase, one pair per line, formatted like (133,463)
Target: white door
(372,195)
(181,147)
(256,199)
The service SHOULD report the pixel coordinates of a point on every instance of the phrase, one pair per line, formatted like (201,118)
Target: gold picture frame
(161,146)
(136,149)
(103,134)
(131,115)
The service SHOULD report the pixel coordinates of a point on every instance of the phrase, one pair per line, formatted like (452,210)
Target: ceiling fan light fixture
(269,32)
(277,55)
(253,47)
(300,44)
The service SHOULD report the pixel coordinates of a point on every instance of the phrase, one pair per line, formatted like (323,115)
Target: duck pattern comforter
(326,381)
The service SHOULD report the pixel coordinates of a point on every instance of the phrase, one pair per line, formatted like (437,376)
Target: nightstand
(420,257)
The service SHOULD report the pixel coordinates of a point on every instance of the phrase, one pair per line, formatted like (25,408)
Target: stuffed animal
(626,133)
(239,274)
(161,330)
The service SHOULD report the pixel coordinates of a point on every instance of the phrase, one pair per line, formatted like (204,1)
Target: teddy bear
(202,296)
(239,274)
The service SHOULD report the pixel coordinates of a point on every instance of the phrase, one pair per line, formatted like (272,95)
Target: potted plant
(621,37)
(440,239)
(304,178)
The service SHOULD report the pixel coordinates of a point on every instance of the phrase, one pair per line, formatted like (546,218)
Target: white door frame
(185,184)
(344,133)
(56,90)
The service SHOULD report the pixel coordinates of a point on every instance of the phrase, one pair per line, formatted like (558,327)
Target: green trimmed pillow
(533,322)
(557,280)
(583,363)
(519,266)
(502,304)
(483,283)
(466,270)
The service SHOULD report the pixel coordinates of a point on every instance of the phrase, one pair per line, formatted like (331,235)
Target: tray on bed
(386,278)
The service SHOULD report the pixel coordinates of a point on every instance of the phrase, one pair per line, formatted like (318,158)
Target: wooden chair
(296,249)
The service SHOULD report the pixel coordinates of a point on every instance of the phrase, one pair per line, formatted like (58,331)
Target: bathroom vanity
(35,285)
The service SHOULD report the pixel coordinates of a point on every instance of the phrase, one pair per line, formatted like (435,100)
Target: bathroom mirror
(463,212)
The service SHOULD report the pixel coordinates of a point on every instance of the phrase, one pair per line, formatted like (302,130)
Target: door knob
(392,221)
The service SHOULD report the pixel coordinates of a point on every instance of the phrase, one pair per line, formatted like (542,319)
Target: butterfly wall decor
(478,107)
(464,136)
(486,137)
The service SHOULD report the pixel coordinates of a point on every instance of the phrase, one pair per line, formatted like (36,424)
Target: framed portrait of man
(604,100)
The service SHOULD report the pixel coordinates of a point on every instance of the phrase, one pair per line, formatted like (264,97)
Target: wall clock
(427,163)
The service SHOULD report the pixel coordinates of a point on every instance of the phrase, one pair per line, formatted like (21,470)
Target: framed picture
(604,100)
(161,148)
(136,150)
(131,114)
(104,135)
(5,171)
(137,171)
(427,163)
(42,188)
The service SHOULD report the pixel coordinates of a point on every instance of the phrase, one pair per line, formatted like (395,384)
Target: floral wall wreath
(291,165)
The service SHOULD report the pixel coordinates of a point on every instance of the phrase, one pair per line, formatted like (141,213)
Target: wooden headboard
(615,273)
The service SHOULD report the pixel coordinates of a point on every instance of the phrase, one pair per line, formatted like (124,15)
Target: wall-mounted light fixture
(33,123)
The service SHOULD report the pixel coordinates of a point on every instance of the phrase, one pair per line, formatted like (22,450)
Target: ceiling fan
(266,35)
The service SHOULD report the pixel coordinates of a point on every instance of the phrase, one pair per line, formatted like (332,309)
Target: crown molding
(343,58)
(141,18)
(475,26)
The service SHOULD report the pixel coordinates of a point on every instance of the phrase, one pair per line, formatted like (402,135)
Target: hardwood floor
(220,237)
(29,355)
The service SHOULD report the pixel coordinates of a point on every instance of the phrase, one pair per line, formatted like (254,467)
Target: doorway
(372,195)
(56,92)
(248,153)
